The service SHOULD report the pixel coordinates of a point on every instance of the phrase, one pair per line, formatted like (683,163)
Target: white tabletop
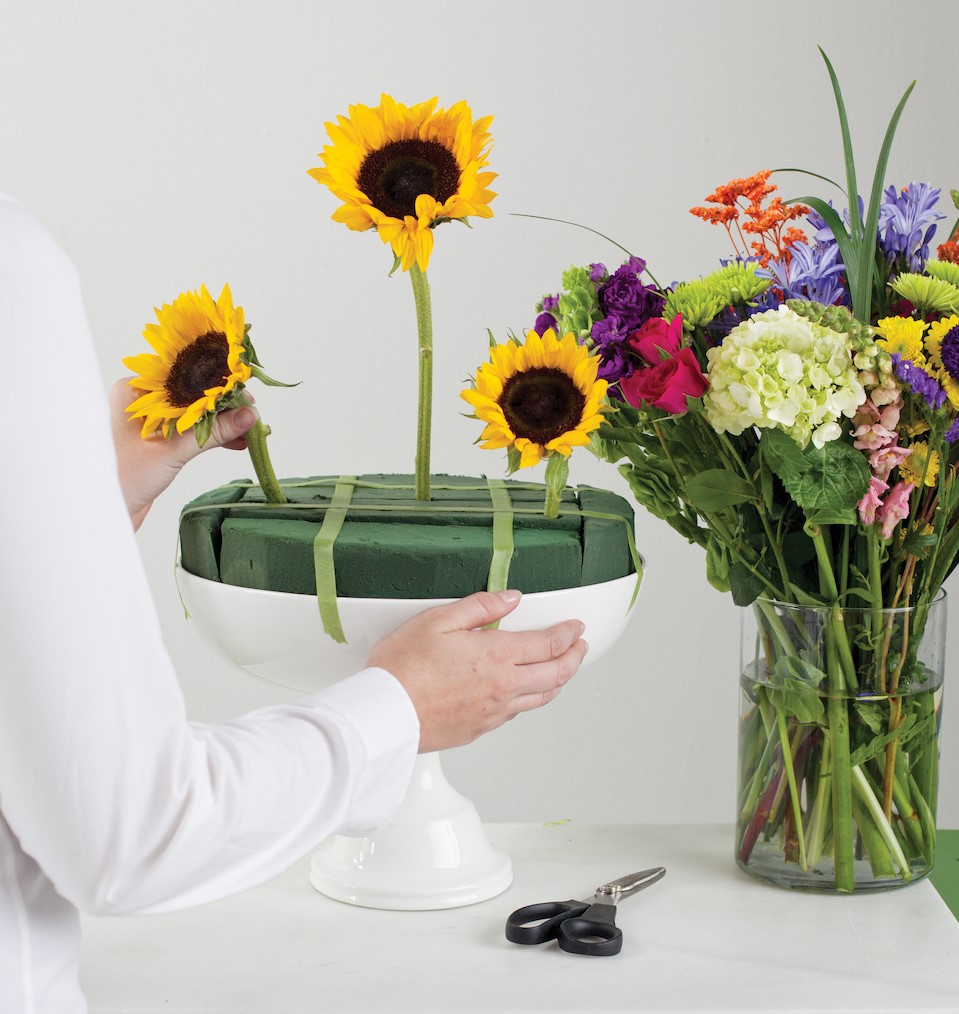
(705,938)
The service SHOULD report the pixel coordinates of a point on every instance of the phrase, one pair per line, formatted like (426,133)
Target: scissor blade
(631,883)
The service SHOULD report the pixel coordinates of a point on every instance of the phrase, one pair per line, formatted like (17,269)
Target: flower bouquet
(796,414)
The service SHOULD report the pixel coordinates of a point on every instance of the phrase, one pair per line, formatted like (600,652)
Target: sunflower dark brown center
(396,174)
(201,365)
(541,404)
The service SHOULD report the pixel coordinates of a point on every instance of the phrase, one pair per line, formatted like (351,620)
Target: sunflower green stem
(557,472)
(260,456)
(424,332)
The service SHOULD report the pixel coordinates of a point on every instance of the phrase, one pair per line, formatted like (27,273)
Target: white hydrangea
(778,369)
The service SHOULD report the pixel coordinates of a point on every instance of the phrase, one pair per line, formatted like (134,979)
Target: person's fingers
(474,611)
(524,647)
(542,681)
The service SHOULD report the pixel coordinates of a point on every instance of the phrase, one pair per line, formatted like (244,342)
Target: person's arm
(125,804)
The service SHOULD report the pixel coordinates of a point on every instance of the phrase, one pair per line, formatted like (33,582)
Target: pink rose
(667,384)
(656,334)
(871,501)
(895,507)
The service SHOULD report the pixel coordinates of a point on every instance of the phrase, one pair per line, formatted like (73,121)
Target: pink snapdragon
(872,501)
(895,508)
(875,426)
(884,459)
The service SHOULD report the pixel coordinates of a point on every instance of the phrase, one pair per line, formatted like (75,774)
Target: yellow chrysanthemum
(404,169)
(937,331)
(922,465)
(902,335)
(200,346)
(539,398)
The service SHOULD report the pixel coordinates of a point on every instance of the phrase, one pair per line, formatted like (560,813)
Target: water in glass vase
(853,703)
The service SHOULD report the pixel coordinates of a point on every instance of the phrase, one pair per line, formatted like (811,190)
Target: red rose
(667,384)
(656,334)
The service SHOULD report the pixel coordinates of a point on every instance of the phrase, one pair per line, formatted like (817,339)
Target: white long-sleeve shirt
(111,801)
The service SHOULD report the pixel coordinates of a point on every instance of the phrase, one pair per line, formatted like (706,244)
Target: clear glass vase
(839,744)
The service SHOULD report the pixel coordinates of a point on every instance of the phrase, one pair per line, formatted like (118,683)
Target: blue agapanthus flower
(907,223)
(813,272)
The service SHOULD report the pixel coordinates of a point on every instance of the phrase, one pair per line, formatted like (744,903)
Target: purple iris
(949,352)
(907,223)
(625,296)
(918,381)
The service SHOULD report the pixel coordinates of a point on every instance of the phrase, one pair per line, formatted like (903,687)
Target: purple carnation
(544,322)
(609,330)
(550,303)
(918,381)
(598,273)
(907,223)
(625,296)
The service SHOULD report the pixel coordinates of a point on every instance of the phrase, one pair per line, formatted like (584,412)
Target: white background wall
(167,144)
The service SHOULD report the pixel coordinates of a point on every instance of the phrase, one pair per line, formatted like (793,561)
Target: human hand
(147,467)
(464,681)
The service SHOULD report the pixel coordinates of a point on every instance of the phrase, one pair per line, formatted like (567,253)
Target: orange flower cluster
(773,237)
(949,251)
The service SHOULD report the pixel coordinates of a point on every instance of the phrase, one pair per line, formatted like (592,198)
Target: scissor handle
(535,924)
(594,932)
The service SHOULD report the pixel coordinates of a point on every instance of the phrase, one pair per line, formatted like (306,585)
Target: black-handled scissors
(581,927)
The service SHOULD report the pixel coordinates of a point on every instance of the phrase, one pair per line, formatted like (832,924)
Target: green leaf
(269,381)
(745,586)
(823,481)
(716,489)
(717,563)
(878,744)
(794,689)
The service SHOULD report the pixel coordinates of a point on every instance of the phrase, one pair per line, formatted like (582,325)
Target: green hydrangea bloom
(578,303)
(781,370)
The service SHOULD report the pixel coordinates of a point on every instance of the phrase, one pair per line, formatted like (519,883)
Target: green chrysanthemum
(945,270)
(696,301)
(928,295)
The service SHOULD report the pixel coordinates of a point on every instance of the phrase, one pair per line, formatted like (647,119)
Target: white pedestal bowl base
(434,853)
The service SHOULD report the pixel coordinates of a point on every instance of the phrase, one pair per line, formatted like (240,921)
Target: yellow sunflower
(538,398)
(404,169)
(202,358)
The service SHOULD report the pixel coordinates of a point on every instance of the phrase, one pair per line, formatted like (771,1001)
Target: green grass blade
(852,190)
(862,297)
(806,172)
(848,250)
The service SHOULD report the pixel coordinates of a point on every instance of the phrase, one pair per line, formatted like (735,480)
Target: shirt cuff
(382,715)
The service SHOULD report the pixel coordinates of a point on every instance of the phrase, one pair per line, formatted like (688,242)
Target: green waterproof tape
(323,556)
(502,536)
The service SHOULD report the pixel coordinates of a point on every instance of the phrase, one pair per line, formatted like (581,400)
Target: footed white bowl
(434,854)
